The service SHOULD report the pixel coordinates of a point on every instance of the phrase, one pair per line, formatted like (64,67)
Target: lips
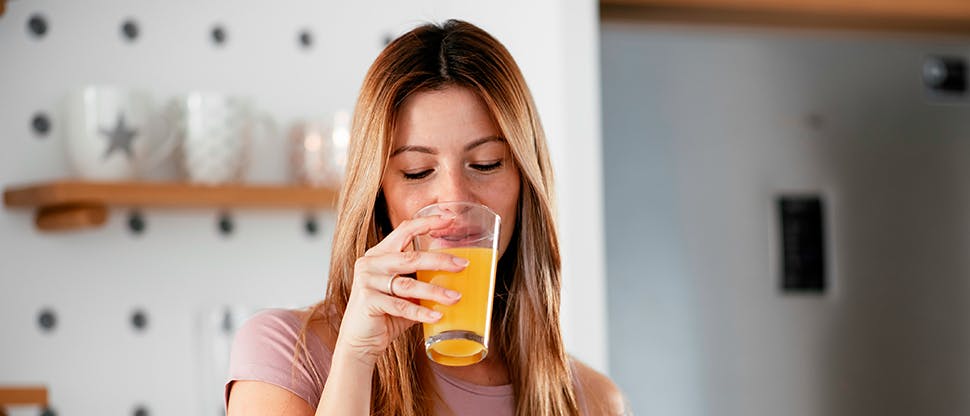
(458,236)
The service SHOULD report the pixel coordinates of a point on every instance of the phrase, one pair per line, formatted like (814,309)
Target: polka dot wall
(136,317)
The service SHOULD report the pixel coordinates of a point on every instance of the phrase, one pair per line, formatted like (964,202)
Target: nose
(452,186)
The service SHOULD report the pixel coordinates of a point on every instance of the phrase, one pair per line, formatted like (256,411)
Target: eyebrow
(430,151)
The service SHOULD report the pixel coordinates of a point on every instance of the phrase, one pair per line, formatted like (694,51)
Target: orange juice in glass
(460,337)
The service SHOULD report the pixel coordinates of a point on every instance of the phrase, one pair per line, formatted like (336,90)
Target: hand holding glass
(460,337)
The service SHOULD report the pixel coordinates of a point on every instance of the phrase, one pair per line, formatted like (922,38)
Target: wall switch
(802,244)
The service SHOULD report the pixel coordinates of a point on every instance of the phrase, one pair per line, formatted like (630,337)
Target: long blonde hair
(526,317)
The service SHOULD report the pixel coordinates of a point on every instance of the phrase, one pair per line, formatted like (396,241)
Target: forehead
(452,115)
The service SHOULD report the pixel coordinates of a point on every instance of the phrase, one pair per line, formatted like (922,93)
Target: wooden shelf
(22,396)
(65,205)
(927,16)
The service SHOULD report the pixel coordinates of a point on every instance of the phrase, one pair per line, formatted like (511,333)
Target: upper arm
(258,398)
(264,374)
(602,395)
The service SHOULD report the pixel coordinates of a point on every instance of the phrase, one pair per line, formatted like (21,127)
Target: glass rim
(464,203)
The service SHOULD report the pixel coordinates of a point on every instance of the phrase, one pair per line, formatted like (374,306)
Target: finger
(406,287)
(408,262)
(398,239)
(403,308)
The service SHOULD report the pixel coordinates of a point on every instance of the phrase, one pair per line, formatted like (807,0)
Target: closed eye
(417,175)
(486,167)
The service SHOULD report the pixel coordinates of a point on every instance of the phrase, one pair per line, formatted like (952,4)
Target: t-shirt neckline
(502,390)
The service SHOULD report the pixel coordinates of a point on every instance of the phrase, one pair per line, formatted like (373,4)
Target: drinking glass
(460,337)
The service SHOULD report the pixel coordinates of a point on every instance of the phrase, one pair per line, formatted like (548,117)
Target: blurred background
(122,298)
(761,204)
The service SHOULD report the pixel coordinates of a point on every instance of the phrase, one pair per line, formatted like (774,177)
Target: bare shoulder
(602,394)
(250,394)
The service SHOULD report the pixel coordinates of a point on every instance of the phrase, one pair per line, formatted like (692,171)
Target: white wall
(181,271)
(703,129)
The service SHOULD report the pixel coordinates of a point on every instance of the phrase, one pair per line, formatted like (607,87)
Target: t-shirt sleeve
(263,350)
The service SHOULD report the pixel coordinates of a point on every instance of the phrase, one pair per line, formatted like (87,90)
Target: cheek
(397,211)
(402,205)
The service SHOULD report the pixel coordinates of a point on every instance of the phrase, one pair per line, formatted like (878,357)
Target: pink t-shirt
(263,351)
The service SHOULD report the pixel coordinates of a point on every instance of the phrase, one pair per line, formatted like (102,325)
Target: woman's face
(447,148)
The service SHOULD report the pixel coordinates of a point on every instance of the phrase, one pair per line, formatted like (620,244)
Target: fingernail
(460,261)
(452,294)
(435,314)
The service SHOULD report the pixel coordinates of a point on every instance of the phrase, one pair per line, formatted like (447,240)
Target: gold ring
(390,285)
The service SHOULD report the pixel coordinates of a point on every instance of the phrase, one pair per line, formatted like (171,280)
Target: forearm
(348,388)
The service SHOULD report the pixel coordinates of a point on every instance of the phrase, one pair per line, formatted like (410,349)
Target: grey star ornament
(119,137)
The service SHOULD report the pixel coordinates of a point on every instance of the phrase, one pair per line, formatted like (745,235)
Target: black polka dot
(41,124)
(227,322)
(141,411)
(37,25)
(306,39)
(311,226)
(139,320)
(47,320)
(226,226)
(136,222)
(218,35)
(129,29)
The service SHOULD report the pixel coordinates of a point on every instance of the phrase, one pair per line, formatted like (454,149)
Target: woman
(444,115)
